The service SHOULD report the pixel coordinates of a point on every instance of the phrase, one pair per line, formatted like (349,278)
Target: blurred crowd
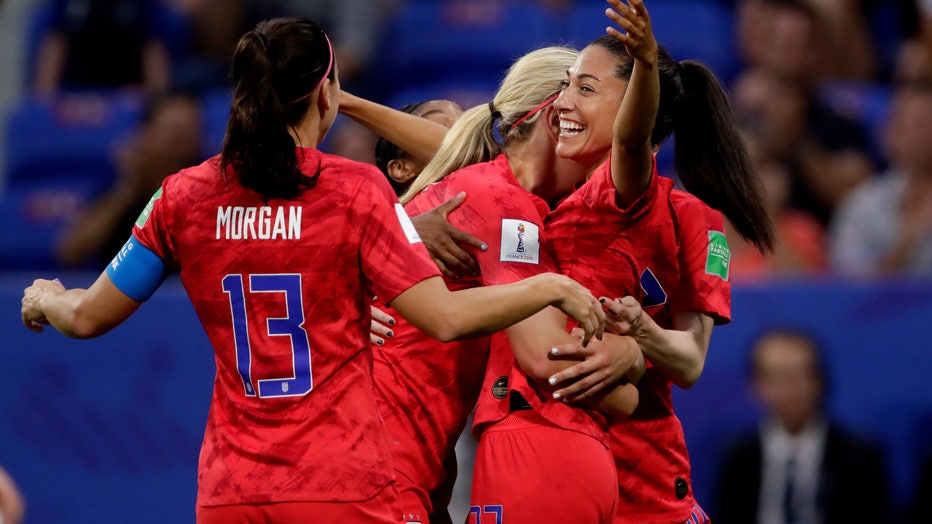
(834,97)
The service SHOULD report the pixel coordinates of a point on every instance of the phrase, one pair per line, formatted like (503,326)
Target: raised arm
(632,162)
(418,136)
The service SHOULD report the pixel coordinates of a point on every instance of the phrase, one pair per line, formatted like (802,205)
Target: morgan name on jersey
(259,223)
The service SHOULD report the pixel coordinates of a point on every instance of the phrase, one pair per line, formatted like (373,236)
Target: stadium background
(108,430)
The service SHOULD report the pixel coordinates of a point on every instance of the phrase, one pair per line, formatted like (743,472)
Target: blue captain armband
(136,270)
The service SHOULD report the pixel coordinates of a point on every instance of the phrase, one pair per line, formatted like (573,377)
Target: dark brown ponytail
(275,68)
(710,156)
(712,160)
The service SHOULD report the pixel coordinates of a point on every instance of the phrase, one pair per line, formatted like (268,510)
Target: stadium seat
(687,29)
(460,40)
(71,137)
(32,215)
(465,93)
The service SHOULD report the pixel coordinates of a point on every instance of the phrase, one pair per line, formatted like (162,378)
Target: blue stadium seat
(460,40)
(465,93)
(68,138)
(31,217)
(688,29)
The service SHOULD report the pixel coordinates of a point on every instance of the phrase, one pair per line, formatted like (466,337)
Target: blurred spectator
(799,467)
(355,26)
(397,164)
(214,29)
(885,225)
(101,44)
(808,40)
(168,140)
(826,153)
(800,248)
(12,506)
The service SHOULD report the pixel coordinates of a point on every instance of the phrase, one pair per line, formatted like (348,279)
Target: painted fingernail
(380,342)
(602,300)
(554,351)
(552,380)
(484,247)
(391,322)
(556,396)
(389,334)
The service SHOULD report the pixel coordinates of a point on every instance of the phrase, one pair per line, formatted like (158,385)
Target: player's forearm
(618,403)
(485,310)
(632,162)
(418,136)
(678,354)
(531,340)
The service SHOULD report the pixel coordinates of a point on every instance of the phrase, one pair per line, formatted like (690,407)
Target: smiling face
(587,106)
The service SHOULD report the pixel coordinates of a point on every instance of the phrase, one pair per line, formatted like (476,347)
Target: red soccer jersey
(281,289)
(678,247)
(427,389)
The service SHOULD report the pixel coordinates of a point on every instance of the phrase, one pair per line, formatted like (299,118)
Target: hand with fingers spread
(623,315)
(638,37)
(606,363)
(443,241)
(381,328)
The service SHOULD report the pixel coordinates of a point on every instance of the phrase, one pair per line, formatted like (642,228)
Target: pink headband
(534,111)
(326,73)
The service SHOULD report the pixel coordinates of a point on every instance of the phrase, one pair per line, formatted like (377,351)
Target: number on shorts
(478,511)
(301,382)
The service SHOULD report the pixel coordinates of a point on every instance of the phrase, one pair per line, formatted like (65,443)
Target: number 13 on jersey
(289,285)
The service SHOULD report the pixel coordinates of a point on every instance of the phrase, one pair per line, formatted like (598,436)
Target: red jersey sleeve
(509,219)
(154,222)
(704,260)
(393,257)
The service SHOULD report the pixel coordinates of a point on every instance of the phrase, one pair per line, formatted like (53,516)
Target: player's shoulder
(493,175)
(194,181)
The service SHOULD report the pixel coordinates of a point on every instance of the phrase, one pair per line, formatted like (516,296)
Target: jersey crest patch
(406,225)
(520,242)
(718,258)
(144,216)
(654,295)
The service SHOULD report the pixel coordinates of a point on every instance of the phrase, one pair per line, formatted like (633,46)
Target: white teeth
(570,128)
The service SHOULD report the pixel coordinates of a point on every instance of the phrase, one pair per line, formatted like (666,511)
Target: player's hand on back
(381,328)
(444,241)
(613,360)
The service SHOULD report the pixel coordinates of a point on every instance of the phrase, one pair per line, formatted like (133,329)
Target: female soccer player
(401,167)
(622,103)
(620,100)
(279,247)
(507,187)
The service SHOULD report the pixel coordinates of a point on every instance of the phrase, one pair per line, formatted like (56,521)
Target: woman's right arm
(418,136)
(447,315)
